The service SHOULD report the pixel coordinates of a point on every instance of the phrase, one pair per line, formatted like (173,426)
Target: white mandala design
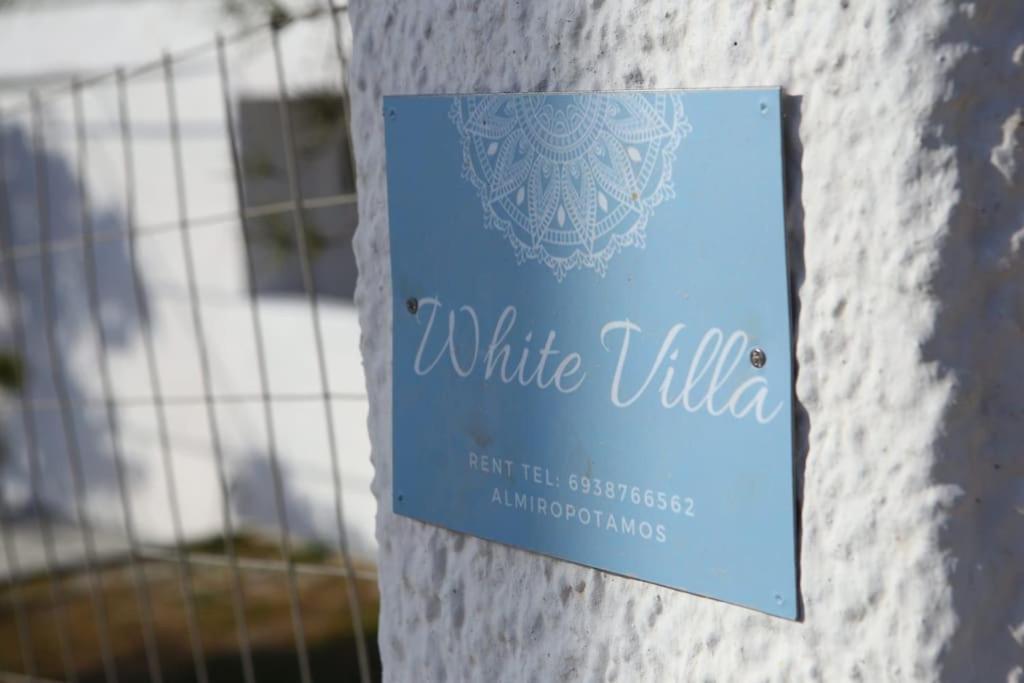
(570,180)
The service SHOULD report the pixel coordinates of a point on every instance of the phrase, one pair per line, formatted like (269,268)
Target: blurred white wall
(42,44)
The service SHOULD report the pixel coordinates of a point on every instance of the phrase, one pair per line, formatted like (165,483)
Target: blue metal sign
(591,331)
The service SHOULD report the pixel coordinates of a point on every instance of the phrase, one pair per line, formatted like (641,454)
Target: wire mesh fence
(94,600)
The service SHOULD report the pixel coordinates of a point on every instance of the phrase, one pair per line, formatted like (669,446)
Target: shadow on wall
(792,107)
(324,166)
(69,314)
(253,498)
(978,341)
(252,491)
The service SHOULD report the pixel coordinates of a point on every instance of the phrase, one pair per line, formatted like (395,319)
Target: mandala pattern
(570,180)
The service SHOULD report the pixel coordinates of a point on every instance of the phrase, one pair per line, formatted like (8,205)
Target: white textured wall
(906,218)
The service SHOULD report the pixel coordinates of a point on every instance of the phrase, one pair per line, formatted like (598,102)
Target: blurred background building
(184,406)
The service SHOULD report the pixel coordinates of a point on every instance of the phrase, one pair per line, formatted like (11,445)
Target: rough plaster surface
(905,171)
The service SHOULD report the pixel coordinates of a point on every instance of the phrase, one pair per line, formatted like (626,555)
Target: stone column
(905,211)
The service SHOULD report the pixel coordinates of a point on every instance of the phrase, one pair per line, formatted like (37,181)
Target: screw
(392,113)
(778,599)
(412,305)
(764,107)
(758,358)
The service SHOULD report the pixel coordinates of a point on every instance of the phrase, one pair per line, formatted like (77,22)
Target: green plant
(12,370)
